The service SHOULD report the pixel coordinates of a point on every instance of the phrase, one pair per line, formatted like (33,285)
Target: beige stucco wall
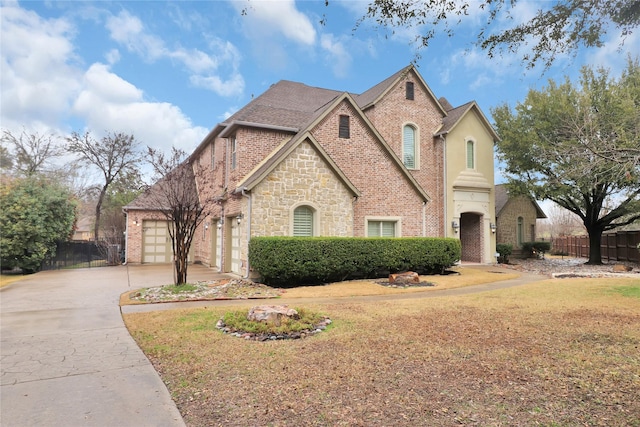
(471,190)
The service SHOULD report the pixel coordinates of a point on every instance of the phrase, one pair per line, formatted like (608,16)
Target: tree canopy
(574,145)
(34,215)
(561,28)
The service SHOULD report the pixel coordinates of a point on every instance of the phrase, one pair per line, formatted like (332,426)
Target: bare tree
(32,152)
(175,195)
(113,155)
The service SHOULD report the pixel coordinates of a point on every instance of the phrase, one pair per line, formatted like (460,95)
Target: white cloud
(37,80)
(614,53)
(266,17)
(44,88)
(129,31)
(107,102)
(337,54)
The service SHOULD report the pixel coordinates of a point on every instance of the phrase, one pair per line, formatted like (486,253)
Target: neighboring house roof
(455,115)
(502,197)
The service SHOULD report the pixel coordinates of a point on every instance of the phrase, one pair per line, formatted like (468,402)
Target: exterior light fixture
(492,226)
(206,225)
(220,223)
(455,226)
(239,219)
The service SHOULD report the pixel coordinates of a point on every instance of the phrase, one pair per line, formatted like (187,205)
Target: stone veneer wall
(303,178)
(507,222)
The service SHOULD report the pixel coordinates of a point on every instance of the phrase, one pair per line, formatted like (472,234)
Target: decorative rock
(272,314)
(621,268)
(403,278)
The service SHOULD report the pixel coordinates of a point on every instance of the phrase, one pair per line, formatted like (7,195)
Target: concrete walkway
(67,358)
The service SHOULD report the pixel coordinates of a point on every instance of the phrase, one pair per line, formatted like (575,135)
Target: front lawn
(559,352)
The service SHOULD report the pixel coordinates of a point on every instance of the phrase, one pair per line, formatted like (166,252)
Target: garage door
(156,243)
(235,249)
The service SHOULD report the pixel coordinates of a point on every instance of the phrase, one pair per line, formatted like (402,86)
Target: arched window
(409,147)
(520,231)
(303,221)
(471,158)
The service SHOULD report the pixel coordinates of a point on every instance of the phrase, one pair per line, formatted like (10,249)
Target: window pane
(409,90)
(303,222)
(381,229)
(373,229)
(388,229)
(343,131)
(470,159)
(409,147)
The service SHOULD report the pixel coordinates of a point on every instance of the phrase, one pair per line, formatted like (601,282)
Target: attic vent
(343,129)
(409,90)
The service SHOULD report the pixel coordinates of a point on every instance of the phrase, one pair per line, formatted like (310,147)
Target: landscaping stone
(272,314)
(621,268)
(407,277)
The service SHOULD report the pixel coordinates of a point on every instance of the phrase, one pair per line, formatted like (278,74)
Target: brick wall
(384,189)
(390,115)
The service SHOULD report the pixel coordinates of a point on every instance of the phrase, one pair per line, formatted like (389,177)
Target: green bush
(504,250)
(291,261)
(538,249)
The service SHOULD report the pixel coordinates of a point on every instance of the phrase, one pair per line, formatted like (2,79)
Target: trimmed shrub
(291,261)
(504,250)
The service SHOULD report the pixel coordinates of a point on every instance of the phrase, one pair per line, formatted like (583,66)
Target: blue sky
(168,72)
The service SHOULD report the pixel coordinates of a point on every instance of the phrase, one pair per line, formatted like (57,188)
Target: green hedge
(291,261)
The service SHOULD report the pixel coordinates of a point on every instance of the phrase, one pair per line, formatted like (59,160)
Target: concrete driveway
(67,358)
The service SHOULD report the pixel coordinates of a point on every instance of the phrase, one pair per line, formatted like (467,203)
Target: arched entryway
(471,237)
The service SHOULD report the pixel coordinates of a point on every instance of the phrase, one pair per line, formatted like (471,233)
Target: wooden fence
(615,246)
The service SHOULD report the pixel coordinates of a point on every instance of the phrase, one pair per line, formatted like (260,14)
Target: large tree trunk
(96,226)
(595,252)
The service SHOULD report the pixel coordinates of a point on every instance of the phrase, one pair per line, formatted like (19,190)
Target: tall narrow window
(303,221)
(409,90)
(471,161)
(232,149)
(343,130)
(409,147)
(213,155)
(381,229)
(520,231)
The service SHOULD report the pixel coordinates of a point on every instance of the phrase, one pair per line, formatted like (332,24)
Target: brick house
(516,218)
(306,161)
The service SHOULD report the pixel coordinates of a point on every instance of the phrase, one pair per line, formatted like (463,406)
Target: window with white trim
(471,154)
(232,150)
(409,157)
(381,228)
(303,221)
(520,232)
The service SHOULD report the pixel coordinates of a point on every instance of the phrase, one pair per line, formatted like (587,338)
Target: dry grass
(554,353)
(463,276)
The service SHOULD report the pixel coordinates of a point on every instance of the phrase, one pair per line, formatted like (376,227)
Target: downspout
(248,220)
(444,183)
(126,236)
(424,218)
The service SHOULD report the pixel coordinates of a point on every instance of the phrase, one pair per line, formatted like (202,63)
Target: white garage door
(235,249)
(156,243)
